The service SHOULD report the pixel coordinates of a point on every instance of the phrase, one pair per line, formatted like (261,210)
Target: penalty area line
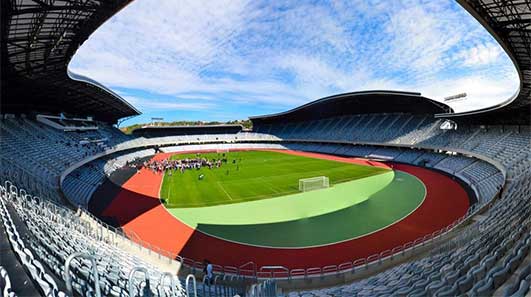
(222,188)
(268,185)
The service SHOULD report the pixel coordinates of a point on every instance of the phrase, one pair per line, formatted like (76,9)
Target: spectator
(208,270)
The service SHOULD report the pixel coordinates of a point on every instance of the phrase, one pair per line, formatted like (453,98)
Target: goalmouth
(313,183)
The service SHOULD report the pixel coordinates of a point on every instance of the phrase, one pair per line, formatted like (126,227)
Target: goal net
(313,183)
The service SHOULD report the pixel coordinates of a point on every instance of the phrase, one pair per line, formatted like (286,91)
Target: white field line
(219,184)
(269,185)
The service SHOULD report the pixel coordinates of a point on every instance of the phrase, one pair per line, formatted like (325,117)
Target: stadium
(369,193)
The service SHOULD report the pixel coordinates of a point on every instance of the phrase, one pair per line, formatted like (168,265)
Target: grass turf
(383,208)
(255,175)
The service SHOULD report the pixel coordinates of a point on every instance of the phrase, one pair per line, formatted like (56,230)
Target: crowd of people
(181,165)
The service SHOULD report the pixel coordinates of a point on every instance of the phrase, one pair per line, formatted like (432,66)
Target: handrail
(380,258)
(344,267)
(131,277)
(136,239)
(330,268)
(187,283)
(266,288)
(250,263)
(13,190)
(205,283)
(7,186)
(275,267)
(68,281)
(314,270)
(253,291)
(217,288)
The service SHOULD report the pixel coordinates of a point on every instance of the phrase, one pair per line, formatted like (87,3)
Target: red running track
(137,208)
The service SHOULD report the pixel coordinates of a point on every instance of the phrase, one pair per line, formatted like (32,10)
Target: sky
(226,60)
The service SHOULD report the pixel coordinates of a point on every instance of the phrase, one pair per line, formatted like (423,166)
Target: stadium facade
(58,146)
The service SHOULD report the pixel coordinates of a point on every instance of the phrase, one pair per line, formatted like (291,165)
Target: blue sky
(226,60)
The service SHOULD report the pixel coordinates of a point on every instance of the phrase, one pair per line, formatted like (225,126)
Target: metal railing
(20,199)
(281,272)
(134,239)
(190,278)
(131,286)
(267,288)
(274,272)
(268,272)
(68,280)
(247,272)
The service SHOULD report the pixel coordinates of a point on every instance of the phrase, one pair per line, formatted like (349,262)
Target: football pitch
(252,175)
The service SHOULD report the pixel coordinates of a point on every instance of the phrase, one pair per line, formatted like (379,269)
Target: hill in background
(247,124)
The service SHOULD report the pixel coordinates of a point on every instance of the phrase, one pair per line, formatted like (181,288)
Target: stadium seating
(37,154)
(53,233)
(5,284)
(79,185)
(479,260)
(36,270)
(492,254)
(476,262)
(62,144)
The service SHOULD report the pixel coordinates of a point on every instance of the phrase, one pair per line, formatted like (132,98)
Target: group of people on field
(181,165)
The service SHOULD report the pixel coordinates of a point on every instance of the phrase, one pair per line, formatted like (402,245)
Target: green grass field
(255,175)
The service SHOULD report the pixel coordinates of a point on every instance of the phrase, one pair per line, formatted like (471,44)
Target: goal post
(313,183)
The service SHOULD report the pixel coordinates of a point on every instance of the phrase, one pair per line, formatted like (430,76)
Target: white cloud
(284,53)
(165,104)
(481,91)
(482,54)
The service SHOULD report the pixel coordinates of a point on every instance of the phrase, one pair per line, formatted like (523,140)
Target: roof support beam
(34,10)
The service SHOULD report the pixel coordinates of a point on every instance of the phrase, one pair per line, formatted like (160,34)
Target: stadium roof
(39,37)
(509,21)
(357,103)
(158,131)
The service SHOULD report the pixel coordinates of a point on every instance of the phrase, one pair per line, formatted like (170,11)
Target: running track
(137,208)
